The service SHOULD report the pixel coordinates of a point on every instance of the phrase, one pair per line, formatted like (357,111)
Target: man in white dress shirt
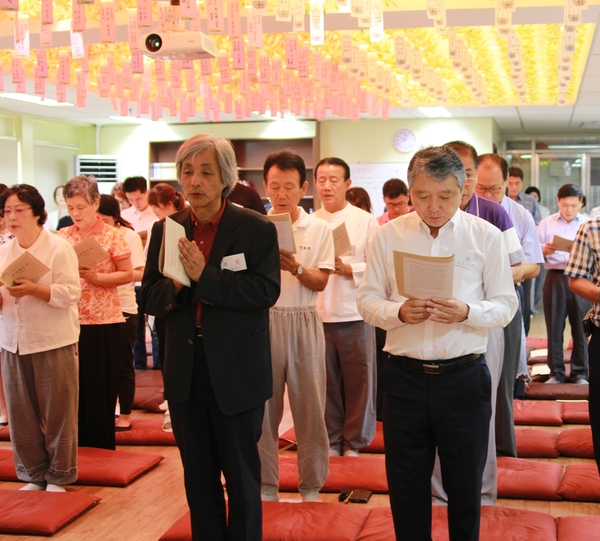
(437,391)
(297,339)
(350,342)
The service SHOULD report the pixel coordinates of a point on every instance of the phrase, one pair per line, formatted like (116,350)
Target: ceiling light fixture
(435,112)
(36,100)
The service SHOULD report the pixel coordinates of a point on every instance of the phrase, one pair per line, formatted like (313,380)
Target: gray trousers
(560,302)
(351,383)
(298,359)
(489,486)
(41,394)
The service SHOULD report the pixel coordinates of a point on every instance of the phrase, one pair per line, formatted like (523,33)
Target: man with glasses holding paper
(350,342)
(217,371)
(437,385)
(556,234)
(297,339)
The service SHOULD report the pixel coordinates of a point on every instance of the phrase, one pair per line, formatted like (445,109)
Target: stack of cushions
(148,390)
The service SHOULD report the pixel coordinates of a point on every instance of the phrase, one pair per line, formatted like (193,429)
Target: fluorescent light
(130,119)
(435,112)
(34,99)
(525,156)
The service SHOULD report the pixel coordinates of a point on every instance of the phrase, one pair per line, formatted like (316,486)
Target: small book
(424,277)
(341,240)
(168,259)
(89,252)
(25,266)
(285,233)
(561,244)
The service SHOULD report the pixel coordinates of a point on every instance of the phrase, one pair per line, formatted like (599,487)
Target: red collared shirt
(204,236)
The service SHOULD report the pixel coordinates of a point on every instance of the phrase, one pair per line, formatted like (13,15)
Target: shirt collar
(214,221)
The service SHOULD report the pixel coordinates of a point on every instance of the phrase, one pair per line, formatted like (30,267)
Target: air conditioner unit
(104,168)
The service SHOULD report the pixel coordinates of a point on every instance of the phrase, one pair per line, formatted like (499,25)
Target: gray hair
(439,163)
(85,186)
(225,156)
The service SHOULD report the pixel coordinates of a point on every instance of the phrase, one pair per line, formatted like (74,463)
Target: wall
(41,152)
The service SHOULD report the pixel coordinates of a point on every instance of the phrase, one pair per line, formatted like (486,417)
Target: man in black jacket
(217,371)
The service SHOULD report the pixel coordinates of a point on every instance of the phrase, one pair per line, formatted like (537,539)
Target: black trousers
(210,443)
(560,302)
(450,412)
(98,351)
(140,357)
(126,373)
(594,397)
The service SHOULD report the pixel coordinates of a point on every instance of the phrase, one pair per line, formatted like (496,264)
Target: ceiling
(537,23)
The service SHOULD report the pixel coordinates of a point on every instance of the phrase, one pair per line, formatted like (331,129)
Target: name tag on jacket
(235,262)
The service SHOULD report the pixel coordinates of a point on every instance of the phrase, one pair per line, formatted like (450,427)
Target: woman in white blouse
(38,340)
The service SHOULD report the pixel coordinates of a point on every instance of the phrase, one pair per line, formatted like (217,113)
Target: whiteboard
(372,176)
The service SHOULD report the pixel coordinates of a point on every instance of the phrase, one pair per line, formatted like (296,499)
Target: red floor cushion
(180,531)
(312,521)
(576,442)
(41,513)
(345,473)
(145,432)
(376,446)
(99,467)
(538,412)
(581,483)
(5,452)
(296,522)
(576,413)
(142,394)
(287,440)
(536,343)
(523,479)
(148,378)
(536,443)
(564,391)
(4,433)
(152,403)
(578,528)
(497,524)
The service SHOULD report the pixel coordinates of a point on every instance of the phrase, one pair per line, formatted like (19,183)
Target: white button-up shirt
(337,302)
(485,284)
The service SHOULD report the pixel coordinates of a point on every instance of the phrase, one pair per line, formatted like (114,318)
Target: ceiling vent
(104,168)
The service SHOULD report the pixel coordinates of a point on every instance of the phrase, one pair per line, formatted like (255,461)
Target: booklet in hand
(89,252)
(341,240)
(168,258)
(285,233)
(561,244)
(25,266)
(424,277)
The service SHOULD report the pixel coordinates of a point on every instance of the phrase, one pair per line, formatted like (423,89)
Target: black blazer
(235,312)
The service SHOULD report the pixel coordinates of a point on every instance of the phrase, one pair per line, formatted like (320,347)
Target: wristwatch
(299,270)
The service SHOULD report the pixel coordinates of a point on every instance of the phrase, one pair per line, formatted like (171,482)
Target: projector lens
(153,43)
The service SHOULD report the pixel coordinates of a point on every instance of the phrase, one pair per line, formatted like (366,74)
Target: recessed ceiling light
(47,102)
(435,112)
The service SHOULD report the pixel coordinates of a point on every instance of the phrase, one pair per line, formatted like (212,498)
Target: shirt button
(191,342)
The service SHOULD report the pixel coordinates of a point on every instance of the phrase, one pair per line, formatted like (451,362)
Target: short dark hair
(570,190)
(359,197)
(515,172)
(498,160)
(533,189)
(163,194)
(334,161)
(27,194)
(286,160)
(133,184)
(439,163)
(394,188)
(460,147)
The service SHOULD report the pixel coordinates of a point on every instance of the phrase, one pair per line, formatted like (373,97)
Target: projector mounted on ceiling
(178,45)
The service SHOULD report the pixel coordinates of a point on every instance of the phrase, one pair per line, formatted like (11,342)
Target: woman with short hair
(99,313)
(38,337)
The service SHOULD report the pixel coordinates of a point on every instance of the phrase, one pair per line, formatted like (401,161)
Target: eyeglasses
(494,190)
(17,211)
(395,205)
